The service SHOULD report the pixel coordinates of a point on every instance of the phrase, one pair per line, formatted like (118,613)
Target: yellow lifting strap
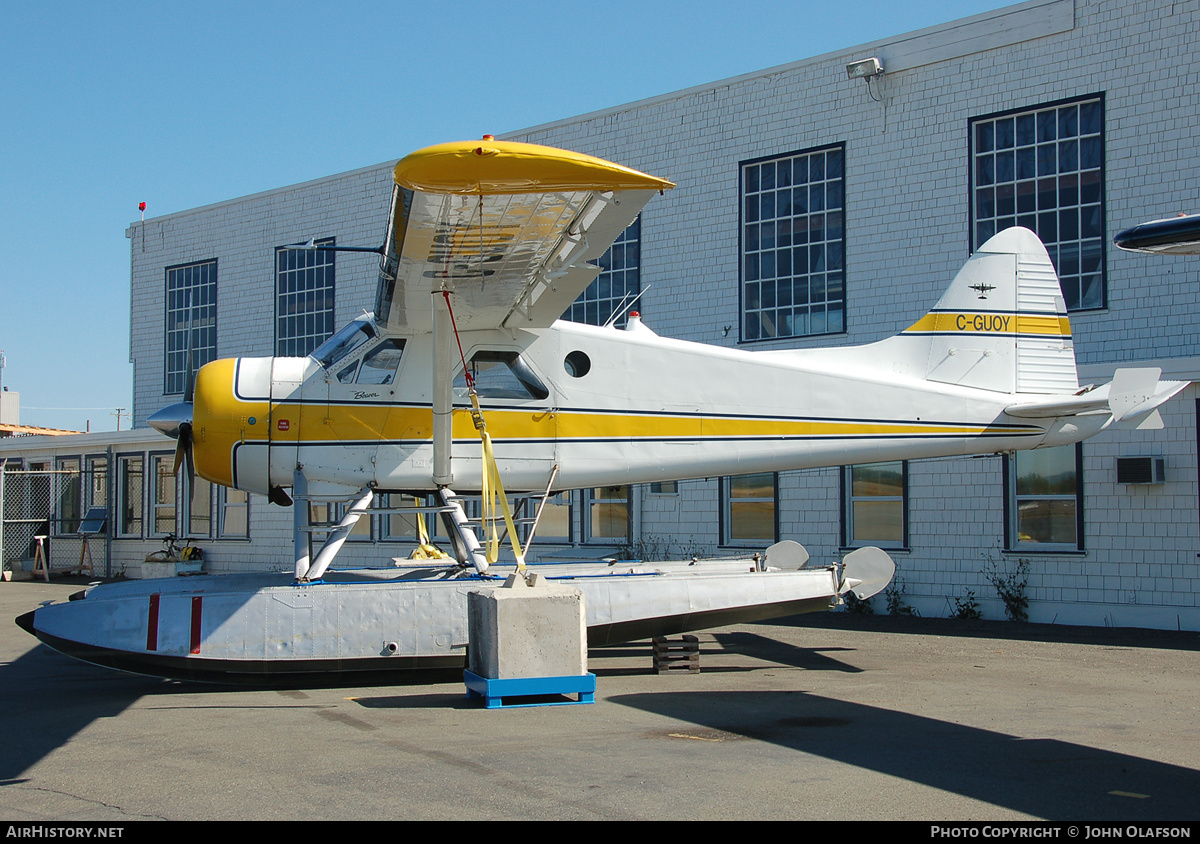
(492,489)
(426,550)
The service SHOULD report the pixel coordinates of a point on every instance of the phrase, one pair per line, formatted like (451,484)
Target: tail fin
(1002,325)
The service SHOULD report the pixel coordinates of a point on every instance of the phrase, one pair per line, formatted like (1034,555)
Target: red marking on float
(152,624)
(197,606)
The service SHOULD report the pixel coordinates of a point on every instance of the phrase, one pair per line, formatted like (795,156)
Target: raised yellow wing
(511,229)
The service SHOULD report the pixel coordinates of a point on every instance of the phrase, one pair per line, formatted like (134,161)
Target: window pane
(878,521)
(1046,471)
(752,520)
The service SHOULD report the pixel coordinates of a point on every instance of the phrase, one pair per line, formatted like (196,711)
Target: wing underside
(509,229)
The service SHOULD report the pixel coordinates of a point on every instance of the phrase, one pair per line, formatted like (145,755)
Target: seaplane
(464,379)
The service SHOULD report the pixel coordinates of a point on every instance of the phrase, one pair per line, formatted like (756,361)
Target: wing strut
(492,488)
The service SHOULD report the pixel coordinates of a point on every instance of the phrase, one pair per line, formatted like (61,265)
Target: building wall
(906,141)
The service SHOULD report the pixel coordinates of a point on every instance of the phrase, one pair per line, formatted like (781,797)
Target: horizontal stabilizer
(866,572)
(1067,406)
(1131,397)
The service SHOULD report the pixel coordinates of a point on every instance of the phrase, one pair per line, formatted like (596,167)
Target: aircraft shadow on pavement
(49,698)
(747,644)
(1045,778)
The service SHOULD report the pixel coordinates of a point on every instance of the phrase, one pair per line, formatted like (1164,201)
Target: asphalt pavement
(830,717)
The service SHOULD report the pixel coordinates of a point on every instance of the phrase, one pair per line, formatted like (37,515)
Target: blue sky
(104,105)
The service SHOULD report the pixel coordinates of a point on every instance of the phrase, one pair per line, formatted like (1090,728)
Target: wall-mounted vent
(1141,470)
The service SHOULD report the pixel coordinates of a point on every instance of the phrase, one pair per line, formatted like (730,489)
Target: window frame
(68,484)
(309,264)
(1012,501)
(190,504)
(155,458)
(588,500)
(848,499)
(223,508)
(122,493)
(728,540)
(1044,220)
(182,317)
(745,294)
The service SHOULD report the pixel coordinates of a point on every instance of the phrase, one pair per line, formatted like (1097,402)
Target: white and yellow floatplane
(487,244)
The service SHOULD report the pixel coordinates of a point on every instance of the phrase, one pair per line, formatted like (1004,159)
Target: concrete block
(522,630)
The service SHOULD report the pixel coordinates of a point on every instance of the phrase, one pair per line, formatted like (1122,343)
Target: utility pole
(118,413)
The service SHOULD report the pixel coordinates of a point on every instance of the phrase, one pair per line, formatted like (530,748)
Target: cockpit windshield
(345,341)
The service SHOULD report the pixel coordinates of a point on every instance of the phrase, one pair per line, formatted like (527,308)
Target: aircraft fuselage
(607,406)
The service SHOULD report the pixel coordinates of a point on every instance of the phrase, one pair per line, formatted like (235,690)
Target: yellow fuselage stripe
(316,423)
(1050,325)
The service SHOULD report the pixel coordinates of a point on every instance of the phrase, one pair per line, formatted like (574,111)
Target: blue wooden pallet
(519,691)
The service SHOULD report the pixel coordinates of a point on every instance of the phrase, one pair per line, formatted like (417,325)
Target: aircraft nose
(168,420)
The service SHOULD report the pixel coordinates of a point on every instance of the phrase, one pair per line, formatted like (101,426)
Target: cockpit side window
(344,342)
(379,365)
(501,375)
(346,376)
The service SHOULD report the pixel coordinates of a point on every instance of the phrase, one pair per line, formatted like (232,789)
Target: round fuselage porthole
(577,364)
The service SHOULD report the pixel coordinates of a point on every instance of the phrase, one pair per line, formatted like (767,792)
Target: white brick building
(1074,117)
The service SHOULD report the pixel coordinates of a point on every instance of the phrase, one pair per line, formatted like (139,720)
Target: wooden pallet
(676,655)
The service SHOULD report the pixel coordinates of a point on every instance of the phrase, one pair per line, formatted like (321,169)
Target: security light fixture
(864,68)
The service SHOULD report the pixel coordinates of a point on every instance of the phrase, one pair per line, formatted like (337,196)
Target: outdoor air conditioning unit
(1141,470)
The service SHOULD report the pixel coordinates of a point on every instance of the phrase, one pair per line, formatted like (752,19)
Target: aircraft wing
(510,229)
(1175,236)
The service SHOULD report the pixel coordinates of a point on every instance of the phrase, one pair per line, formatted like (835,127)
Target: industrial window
(793,245)
(233,512)
(1043,168)
(748,508)
(606,514)
(191,307)
(617,285)
(1045,499)
(130,486)
(304,288)
(162,514)
(875,510)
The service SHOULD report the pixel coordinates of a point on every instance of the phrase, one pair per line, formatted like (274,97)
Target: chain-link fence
(65,511)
